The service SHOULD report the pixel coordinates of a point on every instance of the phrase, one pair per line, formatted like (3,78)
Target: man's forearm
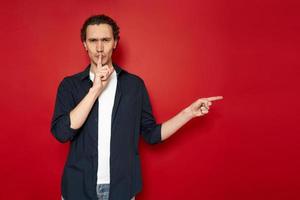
(198,108)
(172,125)
(79,114)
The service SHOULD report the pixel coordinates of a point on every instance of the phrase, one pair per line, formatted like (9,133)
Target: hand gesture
(102,74)
(201,106)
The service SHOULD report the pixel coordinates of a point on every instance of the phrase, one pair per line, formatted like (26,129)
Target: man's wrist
(187,112)
(94,92)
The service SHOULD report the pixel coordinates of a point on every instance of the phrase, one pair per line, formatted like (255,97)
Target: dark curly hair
(100,19)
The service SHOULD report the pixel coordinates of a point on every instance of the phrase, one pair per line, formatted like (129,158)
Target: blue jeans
(102,192)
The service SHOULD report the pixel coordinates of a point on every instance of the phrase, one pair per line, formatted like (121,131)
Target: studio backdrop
(246,147)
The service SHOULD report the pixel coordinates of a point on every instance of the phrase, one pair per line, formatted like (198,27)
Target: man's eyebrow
(91,39)
(103,38)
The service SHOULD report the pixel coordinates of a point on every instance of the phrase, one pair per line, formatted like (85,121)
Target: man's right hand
(79,114)
(102,74)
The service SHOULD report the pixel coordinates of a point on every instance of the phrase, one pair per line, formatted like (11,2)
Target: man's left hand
(201,106)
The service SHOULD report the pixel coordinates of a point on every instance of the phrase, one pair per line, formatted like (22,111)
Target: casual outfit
(103,160)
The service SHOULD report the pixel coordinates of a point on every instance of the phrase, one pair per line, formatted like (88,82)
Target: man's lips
(97,56)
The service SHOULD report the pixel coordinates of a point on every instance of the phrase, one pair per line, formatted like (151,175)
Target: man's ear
(85,47)
(116,43)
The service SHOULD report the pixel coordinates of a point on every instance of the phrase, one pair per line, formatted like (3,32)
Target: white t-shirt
(106,102)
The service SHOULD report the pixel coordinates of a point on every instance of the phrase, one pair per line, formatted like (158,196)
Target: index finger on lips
(99,63)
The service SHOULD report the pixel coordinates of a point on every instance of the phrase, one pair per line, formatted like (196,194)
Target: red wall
(247,147)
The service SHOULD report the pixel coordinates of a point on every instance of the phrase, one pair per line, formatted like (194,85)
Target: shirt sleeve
(60,124)
(151,131)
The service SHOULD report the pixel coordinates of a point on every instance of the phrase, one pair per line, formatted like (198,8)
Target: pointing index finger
(214,98)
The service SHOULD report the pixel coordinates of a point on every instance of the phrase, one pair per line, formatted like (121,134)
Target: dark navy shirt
(131,116)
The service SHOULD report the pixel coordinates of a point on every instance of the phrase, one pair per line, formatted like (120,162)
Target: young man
(102,111)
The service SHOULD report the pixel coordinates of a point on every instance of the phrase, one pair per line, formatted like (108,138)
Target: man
(102,111)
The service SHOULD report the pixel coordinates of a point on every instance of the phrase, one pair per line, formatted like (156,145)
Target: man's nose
(99,46)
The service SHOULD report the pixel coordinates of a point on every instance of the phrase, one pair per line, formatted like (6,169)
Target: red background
(247,147)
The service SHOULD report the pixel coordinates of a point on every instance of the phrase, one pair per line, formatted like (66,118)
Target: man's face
(100,41)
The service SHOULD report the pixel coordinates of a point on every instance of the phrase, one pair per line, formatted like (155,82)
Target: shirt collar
(86,73)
